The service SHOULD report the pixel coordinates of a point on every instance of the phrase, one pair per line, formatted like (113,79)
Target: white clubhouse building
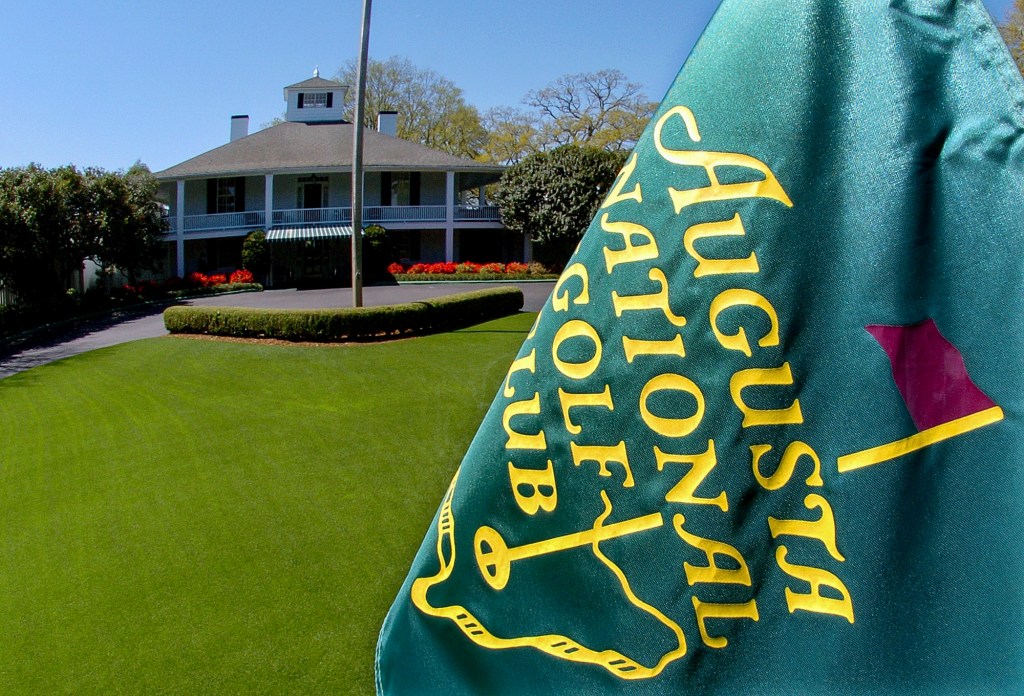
(293,180)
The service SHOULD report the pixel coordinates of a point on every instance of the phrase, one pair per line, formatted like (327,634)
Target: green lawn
(189,516)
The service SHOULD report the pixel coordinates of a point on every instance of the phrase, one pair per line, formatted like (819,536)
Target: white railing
(312,216)
(316,216)
(224,221)
(404,213)
(484,213)
(373,213)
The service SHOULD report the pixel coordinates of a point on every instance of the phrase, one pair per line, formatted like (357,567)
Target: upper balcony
(381,215)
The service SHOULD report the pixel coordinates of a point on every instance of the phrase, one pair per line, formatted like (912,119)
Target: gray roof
(309,147)
(315,83)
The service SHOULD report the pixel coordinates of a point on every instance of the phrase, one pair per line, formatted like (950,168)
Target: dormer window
(315,100)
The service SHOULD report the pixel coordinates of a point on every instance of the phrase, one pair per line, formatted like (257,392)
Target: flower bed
(469,270)
(189,286)
(25,323)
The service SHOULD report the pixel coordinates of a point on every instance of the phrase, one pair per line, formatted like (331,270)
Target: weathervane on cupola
(316,71)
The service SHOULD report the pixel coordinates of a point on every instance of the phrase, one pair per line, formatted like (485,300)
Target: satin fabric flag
(765,436)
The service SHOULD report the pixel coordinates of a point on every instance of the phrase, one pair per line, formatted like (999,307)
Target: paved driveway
(148,325)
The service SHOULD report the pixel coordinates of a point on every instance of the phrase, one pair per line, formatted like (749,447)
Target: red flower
(442,268)
(242,276)
(396,268)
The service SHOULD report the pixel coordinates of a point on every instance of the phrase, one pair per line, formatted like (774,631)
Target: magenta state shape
(930,373)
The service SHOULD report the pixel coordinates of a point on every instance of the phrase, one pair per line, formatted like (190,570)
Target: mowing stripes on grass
(189,516)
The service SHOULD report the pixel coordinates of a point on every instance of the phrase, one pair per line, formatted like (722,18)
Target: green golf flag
(765,436)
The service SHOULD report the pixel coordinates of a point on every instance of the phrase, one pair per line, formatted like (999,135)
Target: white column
(449,217)
(527,248)
(268,201)
(179,226)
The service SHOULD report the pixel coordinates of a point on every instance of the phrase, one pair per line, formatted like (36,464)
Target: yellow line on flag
(892,450)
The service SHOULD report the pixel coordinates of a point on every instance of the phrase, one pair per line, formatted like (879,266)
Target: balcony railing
(312,216)
(373,213)
(483,213)
(218,221)
(382,214)
(225,221)
(404,213)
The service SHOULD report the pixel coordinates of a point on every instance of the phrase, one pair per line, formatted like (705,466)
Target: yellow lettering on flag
(534,489)
(817,578)
(768,187)
(633,252)
(569,400)
(743,298)
(577,328)
(616,195)
(708,610)
(701,465)
(654,300)
(791,415)
(712,572)
(633,347)
(706,266)
(516,439)
(527,362)
(559,299)
(787,465)
(823,529)
(671,427)
(602,454)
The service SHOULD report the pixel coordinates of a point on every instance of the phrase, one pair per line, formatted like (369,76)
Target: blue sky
(106,82)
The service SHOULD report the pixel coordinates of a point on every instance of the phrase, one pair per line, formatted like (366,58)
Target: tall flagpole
(357,161)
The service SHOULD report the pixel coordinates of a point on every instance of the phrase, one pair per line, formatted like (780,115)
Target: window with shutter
(314,100)
(225,195)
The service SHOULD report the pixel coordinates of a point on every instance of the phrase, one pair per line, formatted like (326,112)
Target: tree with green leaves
(126,226)
(512,134)
(431,109)
(552,196)
(45,231)
(51,220)
(256,254)
(1012,30)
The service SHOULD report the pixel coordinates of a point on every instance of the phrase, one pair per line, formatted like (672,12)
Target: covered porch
(206,208)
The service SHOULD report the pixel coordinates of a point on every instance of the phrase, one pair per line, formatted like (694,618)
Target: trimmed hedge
(347,323)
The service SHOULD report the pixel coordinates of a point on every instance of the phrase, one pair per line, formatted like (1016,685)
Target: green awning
(297,232)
